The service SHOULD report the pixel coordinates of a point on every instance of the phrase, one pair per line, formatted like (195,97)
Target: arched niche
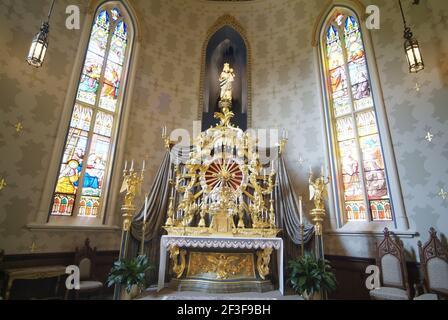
(225,43)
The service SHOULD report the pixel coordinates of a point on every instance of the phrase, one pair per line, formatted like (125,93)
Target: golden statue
(226,81)
(131,184)
(318,190)
(222,189)
(221,265)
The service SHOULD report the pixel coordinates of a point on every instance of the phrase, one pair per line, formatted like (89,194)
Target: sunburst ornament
(225,173)
(443,194)
(429,136)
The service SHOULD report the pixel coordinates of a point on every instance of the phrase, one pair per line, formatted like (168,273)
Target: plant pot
(314,296)
(135,291)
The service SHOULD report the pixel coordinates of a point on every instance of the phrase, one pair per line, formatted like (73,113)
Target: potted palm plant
(310,277)
(131,274)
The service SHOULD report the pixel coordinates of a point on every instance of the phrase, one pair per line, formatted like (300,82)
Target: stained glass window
(363,179)
(86,159)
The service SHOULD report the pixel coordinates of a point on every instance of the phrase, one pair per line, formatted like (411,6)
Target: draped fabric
(287,207)
(158,199)
(157,207)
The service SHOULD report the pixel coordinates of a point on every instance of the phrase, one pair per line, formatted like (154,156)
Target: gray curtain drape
(287,207)
(156,215)
(158,199)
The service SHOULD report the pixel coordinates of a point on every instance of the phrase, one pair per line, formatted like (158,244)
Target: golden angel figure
(131,185)
(221,265)
(318,190)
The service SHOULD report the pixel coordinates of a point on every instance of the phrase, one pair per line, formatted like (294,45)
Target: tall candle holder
(132,182)
(318,193)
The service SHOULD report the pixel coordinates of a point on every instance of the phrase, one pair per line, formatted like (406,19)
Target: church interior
(213,149)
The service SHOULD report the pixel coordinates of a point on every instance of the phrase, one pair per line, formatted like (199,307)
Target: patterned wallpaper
(285,94)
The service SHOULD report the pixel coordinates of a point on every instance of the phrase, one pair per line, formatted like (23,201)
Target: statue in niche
(226,80)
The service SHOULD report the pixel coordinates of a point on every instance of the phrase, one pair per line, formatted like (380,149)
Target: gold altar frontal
(222,190)
(223,272)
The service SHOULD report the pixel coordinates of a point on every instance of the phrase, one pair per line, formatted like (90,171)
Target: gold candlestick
(318,193)
(169,221)
(132,182)
(132,185)
(272,214)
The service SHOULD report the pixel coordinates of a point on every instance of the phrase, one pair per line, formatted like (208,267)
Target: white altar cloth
(221,243)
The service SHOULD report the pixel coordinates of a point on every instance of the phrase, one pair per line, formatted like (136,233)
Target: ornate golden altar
(222,190)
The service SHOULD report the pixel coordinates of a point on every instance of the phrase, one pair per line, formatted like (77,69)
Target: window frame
(96,109)
(105,222)
(338,220)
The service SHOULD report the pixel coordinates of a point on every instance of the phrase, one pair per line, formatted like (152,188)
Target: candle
(300,210)
(132,165)
(146,209)
(322,170)
(144,165)
(125,165)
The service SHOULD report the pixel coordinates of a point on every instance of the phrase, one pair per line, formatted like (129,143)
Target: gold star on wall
(429,137)
(301,161)
(3,184)
(33,247)
(19,127)
(417,87)
(443,194)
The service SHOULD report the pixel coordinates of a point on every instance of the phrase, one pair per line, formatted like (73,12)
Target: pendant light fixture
(411,47)
(39,45)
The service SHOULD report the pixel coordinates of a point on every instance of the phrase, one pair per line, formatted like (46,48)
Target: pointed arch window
(357,151)
(85,166)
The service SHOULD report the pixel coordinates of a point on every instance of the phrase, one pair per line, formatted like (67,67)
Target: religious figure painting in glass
(84,168)
(358,152)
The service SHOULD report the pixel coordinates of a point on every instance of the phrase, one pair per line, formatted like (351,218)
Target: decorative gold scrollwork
(177,254)
(263,260)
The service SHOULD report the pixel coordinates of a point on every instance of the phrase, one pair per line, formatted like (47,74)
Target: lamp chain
(50,11)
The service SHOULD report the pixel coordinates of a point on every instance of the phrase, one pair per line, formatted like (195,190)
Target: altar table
(219,243)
